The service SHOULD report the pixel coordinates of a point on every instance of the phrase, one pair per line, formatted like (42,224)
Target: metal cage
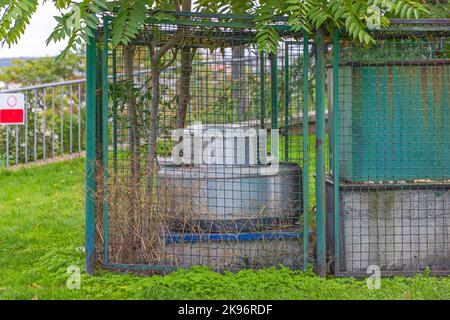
(388,189)
(197,150)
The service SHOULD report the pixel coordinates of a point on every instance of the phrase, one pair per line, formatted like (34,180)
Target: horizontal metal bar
(213,15)
(44,85)
(244,236)
(138,267)
(402,63)
(284,18)
(68,82)
(210,15)
(388,274)
(390,187)
(225,24)
(411,28)
(420,21)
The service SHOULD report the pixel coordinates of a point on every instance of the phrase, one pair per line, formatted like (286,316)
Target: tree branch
(167,46)
(174,56)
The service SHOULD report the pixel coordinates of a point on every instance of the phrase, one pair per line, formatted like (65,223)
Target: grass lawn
(41,234)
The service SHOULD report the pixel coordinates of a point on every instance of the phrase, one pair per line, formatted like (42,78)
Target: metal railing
(54,124)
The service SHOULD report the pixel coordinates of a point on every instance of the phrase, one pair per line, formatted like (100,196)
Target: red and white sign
(12,108)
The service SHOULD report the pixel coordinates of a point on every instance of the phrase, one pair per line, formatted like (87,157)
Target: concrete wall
(235,255)
(398,229)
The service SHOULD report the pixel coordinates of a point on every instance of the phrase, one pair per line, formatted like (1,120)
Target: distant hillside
(5,62)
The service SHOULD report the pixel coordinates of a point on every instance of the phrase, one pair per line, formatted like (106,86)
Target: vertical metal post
(79,118)
(34,126)
(262,90)
(26,127)
(105,41)
(320,154)
(44,124)
(274,141)
(53,122)
(90,154)
(114,111)
(70,118)
(274,87)
(61,138)
(336,149)
(286,101)
(17,144)
(7,146)
(305,147)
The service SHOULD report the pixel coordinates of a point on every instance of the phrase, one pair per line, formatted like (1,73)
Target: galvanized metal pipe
(26,128)
(79,117)
(34,126)
(61,115)
(44,85)
(7,146)
(53,122)
(44,128)
(17,144)
(70,118)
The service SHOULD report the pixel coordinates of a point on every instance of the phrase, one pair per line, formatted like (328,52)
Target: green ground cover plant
(42,234)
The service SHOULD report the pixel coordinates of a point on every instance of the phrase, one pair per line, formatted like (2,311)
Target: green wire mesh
(394,151)
(203,159)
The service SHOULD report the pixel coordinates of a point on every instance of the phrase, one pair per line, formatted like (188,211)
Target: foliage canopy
(43,70)
(78,17)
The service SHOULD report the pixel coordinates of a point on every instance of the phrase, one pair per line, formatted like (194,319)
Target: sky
(32,44)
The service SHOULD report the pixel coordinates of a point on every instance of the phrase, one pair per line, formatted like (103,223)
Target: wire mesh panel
(393,148)
(200,153)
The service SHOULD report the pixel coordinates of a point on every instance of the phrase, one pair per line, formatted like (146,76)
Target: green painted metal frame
(286,101)
(336,151)
(114,113)
(90,154)
(100,72)
(105,55)
(305,147)
(222,20)
(96,118)
(91,133)
(305,119)
(263,89)
(273,89)
(320,154)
